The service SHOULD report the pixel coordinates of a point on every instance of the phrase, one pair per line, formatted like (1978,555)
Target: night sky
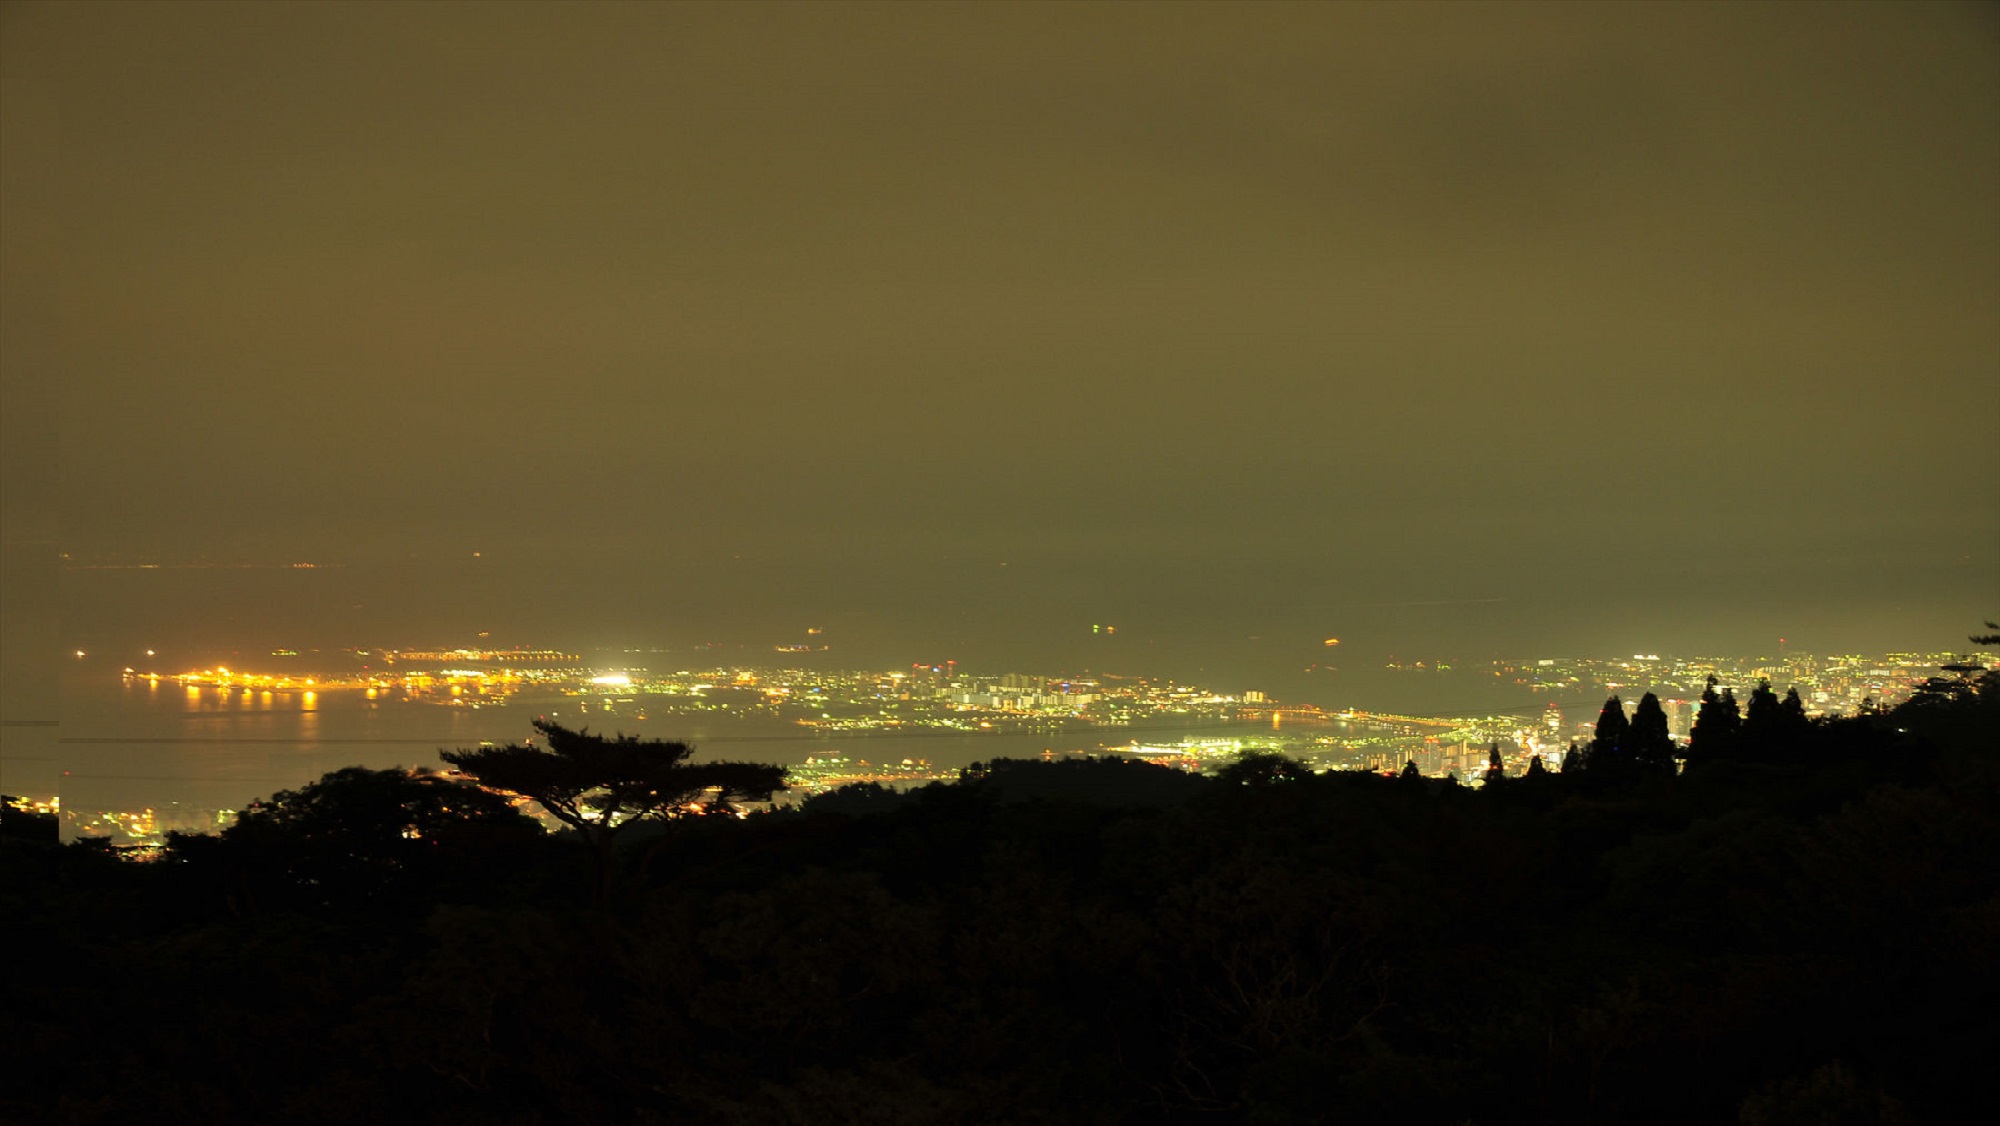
(954,330)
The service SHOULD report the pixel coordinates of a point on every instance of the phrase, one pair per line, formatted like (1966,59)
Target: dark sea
(133,743)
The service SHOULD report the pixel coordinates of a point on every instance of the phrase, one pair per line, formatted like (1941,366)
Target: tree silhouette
(1610,748)
(1963,678)
(1333,947)
(1957,715)
(19,822)
(1764,717)
(1496,770)
(857,798)
(1716,726)
(1574,760)
(1263,768)
(1652,747)
(1791,731)
(1793,708)
(600,785)
(356,833)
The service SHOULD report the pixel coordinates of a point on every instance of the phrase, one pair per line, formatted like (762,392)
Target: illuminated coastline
(859,722)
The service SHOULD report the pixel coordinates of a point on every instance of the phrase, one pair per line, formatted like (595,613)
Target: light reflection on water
(128,747)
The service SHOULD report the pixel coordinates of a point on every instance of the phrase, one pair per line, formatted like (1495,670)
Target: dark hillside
(1800,927)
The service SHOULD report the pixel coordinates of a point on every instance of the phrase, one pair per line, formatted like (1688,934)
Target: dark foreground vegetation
(1801,926)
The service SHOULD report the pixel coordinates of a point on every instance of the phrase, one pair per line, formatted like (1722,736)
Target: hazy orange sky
(955,326)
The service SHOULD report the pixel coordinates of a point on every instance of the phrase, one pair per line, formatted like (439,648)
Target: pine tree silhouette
(1716,726)
(1762,716)
(1652,747)
(1793,709)
(1611,749)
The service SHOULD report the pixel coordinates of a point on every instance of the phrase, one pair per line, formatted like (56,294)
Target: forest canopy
(1788,920)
